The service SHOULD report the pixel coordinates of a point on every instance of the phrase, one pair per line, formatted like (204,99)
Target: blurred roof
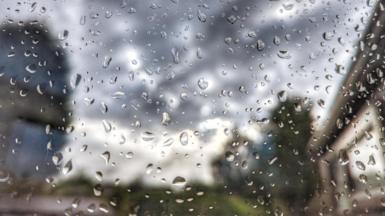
(362,84)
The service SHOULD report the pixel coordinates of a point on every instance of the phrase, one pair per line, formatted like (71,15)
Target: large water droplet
(203,83)
(67,167)
(166,118)
(106,156)
(179,181)
(360,165)
(229,156)
(107,126)
(31,68)
(183,138)
(75,80)
(107,61)
(147,136)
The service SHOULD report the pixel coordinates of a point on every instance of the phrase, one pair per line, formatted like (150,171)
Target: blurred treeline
(272,177)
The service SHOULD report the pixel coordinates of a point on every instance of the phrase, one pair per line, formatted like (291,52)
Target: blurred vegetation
(293,175)
(279,170)
(272,177)
(138,200)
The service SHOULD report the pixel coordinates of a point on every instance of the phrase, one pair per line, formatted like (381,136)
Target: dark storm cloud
(207,27)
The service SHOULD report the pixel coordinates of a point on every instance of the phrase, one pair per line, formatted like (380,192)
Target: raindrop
(199,53)
(288,7)
(82,20)
(107,61)
(129,155)
(371,161)
(327,36)
(11,54)
(75,203)
(91,208)
(252,34)
(67,167)
(175,55)
(166,118)
(75,80)
(31,68)
(183,138)
(203,83)
(118,95)
(168,142)
(103,107)
(284,54)
(57,158)
(108,14)
(231,19)
(370,3)
(99,175)
(103,208)
(321,103)
(147,136)
(202,16)
(149,168)
(282,96)
(98,190)
(107,126)
(360,165)
(260,45)
(179,181)
(229,156)
(106,156)
(277,40)
(4,176)
(363,178)
(63,35)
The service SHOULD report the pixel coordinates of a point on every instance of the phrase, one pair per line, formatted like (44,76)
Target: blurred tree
(293,174)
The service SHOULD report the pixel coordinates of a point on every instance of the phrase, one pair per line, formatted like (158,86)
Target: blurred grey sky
(208,65)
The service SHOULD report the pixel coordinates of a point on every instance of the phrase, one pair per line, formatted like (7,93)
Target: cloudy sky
(162,81)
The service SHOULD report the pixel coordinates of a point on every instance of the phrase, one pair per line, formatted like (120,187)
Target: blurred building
(349,147)
(33,106)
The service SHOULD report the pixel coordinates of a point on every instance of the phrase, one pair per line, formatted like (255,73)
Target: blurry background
(170,107)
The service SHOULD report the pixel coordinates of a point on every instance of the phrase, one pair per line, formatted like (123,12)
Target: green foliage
(295,174)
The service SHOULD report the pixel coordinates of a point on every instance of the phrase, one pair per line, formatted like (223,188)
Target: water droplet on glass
(284,54)
(260,45)
(107,61)
(360,165)
(202,83)
(231,19)
(82,20)
(282,96)
(175,55)
(106,156)
(98,190)
(91,208)
(166,118)
(371,161)
(57,158)
(183,138)
(75,80)
(327,36)
(179,181)
(31,68)
(229,156)
(63,35)
(147,136)
(67,167)
(107,126)
(202,16)
(4,176)
(168,142)
(99,175)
